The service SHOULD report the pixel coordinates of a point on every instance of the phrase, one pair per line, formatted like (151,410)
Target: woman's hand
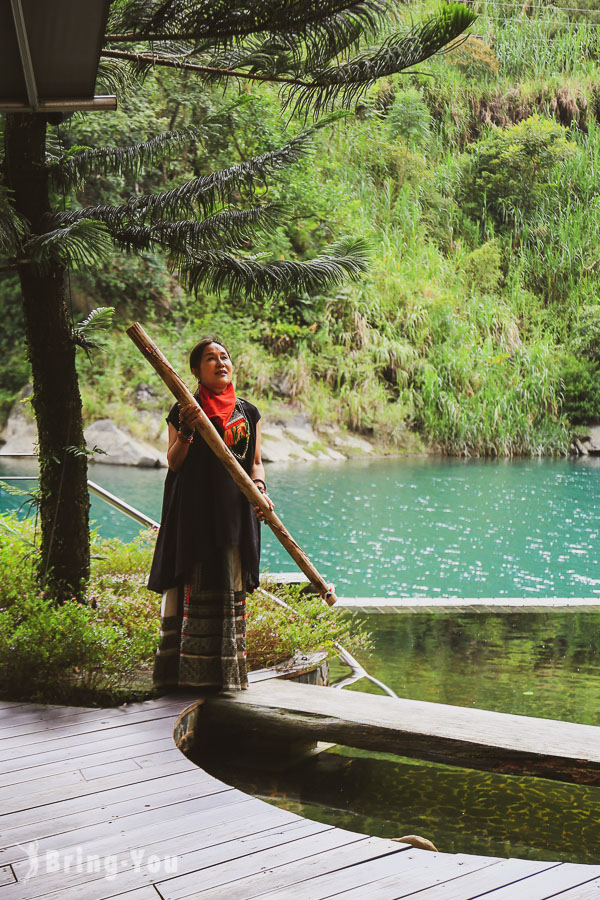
(259,513)
(190,416)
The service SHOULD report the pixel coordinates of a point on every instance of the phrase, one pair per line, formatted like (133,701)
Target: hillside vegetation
(475,184)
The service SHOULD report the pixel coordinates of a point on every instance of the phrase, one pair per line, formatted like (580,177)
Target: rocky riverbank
(286,436)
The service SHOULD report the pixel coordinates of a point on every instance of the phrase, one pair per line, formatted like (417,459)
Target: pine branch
(115,77)
(81,243)
(78,164)
(159,20)
(201,193)
(300,60)
(143,61)
(249,276)
(348,81)
(230,228)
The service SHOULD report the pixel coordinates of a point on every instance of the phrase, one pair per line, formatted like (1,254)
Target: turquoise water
(416,527)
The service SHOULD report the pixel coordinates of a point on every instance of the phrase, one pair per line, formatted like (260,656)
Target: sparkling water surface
(421,527)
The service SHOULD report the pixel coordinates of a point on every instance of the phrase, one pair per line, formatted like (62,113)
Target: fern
(13,227)
(89,334)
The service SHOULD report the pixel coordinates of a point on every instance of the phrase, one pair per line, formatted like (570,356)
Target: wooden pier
(98,804)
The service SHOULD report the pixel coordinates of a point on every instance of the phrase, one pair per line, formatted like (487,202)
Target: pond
(459,810)
(528,663)
(424,527)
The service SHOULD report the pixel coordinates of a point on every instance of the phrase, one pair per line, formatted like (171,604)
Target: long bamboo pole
(208,431)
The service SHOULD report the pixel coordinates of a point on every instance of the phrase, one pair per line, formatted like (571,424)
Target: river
(421,527)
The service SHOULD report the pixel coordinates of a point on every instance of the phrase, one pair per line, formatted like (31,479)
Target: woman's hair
(196,354)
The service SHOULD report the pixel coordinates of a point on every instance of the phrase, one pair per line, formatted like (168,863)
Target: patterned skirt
(203,628)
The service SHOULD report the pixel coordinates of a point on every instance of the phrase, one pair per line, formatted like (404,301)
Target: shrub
(581,389)
(276,633)
(508,171)
(102,652)
(74,652)
(585,338)
(483,270)
(475,59)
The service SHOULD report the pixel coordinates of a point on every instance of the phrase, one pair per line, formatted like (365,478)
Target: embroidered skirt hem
(203,628)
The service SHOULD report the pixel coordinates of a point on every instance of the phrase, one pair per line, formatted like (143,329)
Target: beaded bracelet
(185,438)
(259,481)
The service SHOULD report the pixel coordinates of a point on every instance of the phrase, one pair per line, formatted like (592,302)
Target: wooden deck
(99,803)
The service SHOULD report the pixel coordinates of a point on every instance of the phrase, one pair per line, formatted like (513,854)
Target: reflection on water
(527,663)
(416,527)
(460,810)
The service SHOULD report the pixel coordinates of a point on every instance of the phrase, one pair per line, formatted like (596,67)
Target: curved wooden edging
(126,795)
(310,668)
(460,736)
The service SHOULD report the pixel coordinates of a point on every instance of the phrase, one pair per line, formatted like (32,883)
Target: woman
(208,547)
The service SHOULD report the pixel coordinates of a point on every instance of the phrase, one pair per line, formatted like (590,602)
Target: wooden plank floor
(98,804)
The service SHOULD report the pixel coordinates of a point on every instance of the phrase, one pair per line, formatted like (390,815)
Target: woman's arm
(178,450)
(189,417)
(258,474)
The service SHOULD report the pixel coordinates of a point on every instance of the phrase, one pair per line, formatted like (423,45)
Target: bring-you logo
(80,860)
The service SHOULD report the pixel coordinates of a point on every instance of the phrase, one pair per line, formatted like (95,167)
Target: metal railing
(112,500)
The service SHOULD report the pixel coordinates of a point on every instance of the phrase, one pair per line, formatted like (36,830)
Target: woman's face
(215,370)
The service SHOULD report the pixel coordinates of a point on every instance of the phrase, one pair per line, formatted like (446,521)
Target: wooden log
(460,736)
(210,434)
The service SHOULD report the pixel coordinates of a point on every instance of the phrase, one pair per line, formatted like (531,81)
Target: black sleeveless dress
(206,558)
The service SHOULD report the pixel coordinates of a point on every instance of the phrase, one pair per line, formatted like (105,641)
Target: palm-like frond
(80,243)
(230,20)
(74,167)
(115,77)
(12,226)
(349,80)
(201,193)
(231,228)
(249,276)
(88,334)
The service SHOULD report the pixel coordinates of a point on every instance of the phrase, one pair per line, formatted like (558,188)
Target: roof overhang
(49,55)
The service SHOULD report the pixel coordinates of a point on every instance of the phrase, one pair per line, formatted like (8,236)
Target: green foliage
(475,59)
(483,268)
(581,389)
(319,54)
(14,366)
(409,118)
(509,170)
(90,333)
(585,334)
(493,399)
(82,243)
(74,651)
(275,633)
(462,269)
(103,651)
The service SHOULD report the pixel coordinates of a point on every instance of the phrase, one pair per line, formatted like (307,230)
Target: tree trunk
(64,503)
